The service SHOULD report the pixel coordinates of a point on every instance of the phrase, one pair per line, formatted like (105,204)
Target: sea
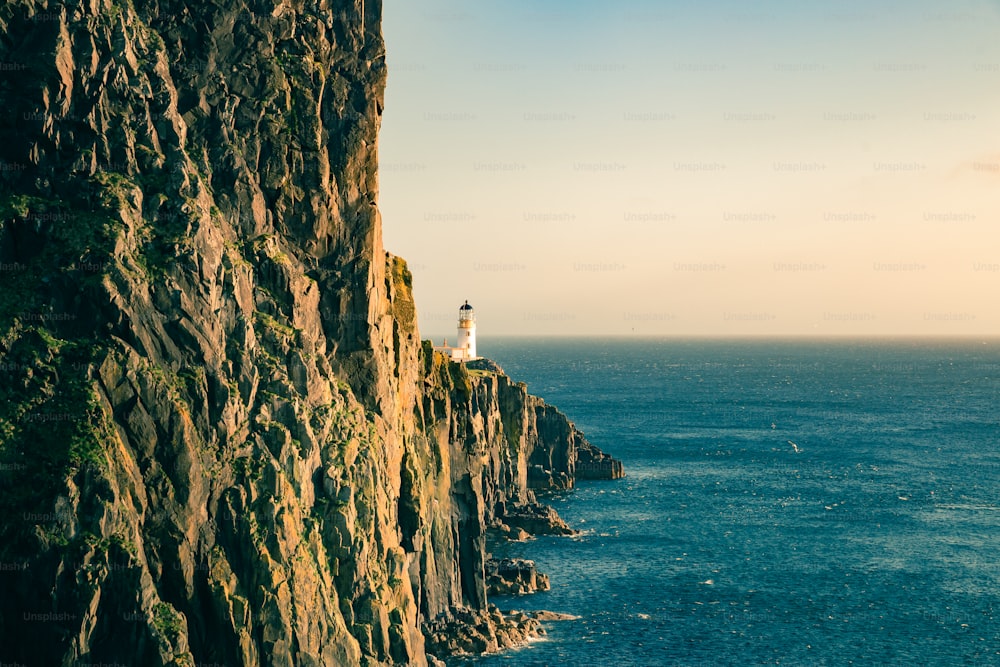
(787,502)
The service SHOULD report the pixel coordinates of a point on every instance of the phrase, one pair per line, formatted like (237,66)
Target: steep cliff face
(221,440)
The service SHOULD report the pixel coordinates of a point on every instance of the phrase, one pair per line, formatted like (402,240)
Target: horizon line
(743,336)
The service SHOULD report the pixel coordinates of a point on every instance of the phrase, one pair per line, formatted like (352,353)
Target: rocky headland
(222,440)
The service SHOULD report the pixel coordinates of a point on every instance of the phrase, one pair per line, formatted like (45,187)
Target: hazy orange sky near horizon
(677,168)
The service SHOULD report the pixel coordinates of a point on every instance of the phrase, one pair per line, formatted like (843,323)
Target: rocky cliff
(221,439)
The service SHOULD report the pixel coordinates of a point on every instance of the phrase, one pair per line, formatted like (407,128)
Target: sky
(630,167)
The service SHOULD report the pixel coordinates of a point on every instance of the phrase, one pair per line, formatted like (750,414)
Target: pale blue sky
(693,168)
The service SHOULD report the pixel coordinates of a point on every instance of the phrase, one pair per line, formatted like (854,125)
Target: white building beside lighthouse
(466,348)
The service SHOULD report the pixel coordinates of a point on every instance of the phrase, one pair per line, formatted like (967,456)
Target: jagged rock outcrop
(221,440)
(514,576)
(564,454)
(472,632)
(592,463)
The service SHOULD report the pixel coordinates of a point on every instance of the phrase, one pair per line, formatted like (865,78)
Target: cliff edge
(221,438)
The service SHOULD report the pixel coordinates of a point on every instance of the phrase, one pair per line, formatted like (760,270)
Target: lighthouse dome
(466,306)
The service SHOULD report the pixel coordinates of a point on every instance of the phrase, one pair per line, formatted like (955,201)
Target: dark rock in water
(222,439)
(514,576)
(592,463)
(510,534)
(536,519)
(471,632)
(540,478)
(543,615)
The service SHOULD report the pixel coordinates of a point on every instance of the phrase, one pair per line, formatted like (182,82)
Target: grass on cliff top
(401,272)
(451,375)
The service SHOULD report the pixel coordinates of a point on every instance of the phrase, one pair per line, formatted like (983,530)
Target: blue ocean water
(874,540)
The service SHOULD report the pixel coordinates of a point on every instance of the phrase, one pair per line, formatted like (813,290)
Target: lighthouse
(467,332)
(465,350)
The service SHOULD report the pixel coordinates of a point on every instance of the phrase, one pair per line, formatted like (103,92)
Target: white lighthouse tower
(466,332)
(466,348)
